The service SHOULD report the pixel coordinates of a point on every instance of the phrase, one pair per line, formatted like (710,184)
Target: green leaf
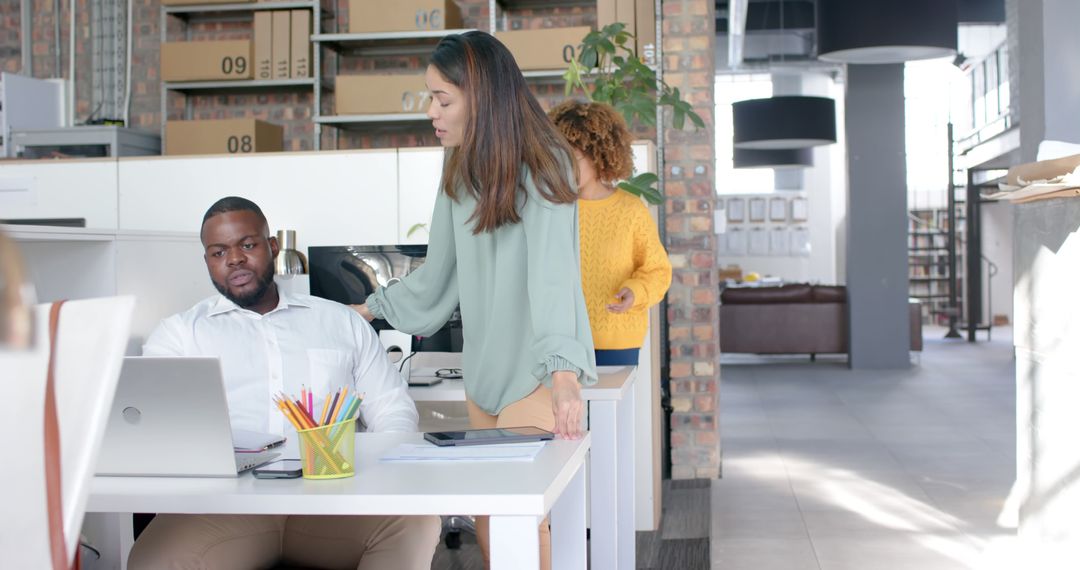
(415,228)
(643,187)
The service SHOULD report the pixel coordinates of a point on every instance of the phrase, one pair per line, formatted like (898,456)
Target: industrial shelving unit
(241,86)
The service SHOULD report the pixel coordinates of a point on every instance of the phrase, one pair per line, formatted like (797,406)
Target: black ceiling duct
(790,121)
(889,31)
(774,158)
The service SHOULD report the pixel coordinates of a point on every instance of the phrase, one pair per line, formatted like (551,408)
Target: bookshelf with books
(928,262)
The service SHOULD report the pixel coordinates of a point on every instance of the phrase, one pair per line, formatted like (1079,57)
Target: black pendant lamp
(773,158)
(886,31)
(786,122)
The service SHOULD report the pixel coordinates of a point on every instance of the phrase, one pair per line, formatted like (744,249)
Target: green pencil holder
(328,452)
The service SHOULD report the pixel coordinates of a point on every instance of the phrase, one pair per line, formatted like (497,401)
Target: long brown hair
(505,130)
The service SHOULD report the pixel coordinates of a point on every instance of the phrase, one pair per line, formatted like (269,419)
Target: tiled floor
(827,468)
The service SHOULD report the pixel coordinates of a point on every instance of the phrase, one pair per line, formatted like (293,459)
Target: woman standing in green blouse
(503,244)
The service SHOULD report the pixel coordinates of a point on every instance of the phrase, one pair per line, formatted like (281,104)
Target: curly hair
(600,133)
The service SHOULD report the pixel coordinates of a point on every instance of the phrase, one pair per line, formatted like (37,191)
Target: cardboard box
(300,50)
(282,44)
(263,42)
(367,16)
(605,13)
(543,49)
(197,2)
(376,94)
(225,136)
(646,31)
(206,61)
(626,12)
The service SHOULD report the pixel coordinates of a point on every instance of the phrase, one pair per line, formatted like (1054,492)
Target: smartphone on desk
(488,436)
(280,469)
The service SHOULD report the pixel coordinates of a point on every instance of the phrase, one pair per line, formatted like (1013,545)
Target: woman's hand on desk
(364,312)
(567,405)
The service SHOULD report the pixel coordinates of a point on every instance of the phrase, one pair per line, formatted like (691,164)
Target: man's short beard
(264,281)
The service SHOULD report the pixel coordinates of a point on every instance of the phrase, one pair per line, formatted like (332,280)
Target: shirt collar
(285,300)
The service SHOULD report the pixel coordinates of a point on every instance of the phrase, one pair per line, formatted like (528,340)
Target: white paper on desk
(422,452)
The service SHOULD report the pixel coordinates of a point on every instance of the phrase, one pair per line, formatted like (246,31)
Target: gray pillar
(877,264)
(1045,45)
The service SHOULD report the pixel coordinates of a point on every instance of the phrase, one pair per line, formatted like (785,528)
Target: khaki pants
(243,542)
(532,410)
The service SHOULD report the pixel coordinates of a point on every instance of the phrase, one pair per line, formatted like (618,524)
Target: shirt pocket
(329,370)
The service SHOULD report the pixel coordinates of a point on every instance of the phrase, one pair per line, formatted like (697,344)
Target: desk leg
(604,511)
(568,526)
(113,535)
(626,540)
(515,543)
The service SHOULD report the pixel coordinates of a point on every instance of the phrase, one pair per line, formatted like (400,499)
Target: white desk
(517,496)
(611,467)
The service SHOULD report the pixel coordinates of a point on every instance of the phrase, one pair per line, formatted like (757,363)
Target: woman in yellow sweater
(624,268)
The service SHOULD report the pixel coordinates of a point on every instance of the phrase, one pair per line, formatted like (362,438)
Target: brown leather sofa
(792,319)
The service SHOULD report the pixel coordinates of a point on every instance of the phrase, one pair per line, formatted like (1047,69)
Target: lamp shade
(773,158)
(890,31)
(790,121)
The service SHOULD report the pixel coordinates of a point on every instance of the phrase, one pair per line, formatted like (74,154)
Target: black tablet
(488,436)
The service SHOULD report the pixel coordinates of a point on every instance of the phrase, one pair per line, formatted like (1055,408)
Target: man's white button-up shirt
(304,342)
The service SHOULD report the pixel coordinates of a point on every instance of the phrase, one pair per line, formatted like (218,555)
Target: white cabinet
(72,188)
(329,198)
(164,271)
(419,174)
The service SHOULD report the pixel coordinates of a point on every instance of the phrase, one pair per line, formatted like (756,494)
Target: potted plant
(608,71)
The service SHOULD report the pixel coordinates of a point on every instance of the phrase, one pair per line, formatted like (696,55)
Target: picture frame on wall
(779,241)
(799,209)
(778,209)
(736,210)
(757,209)
(800,241)
(759,241)
(736,242)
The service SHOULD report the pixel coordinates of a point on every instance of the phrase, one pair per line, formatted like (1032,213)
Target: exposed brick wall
(10,44)
(688,56)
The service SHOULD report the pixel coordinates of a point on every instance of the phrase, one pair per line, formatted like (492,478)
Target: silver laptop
(170,418)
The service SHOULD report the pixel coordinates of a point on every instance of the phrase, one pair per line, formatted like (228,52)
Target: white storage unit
(163,270)
(329,198)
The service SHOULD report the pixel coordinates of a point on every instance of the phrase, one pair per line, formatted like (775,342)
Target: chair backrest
(91,339)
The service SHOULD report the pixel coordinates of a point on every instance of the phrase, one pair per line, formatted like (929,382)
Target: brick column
(689,28)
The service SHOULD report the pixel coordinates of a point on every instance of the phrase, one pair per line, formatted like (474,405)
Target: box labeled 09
(206,61)
(368,16)
(377,94)
(222,136)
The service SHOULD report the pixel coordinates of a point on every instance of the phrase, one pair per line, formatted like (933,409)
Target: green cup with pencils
(327,438)
(326,452)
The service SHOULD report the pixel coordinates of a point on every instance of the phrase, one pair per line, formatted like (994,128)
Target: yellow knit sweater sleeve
(652,269)
(620,247)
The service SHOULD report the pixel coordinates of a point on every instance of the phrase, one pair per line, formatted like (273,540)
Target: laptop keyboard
(245,461)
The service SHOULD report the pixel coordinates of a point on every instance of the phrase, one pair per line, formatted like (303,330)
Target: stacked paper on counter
(1041,180)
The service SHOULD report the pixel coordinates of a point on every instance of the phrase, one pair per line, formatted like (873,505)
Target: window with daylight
(729,180)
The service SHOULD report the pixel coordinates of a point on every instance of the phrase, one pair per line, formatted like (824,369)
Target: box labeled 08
(222,136)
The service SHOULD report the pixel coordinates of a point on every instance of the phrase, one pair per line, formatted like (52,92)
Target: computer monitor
(349,273)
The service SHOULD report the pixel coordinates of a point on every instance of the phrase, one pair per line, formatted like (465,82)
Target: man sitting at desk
(269,342)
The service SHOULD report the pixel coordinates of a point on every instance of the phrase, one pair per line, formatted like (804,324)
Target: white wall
(997,243)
